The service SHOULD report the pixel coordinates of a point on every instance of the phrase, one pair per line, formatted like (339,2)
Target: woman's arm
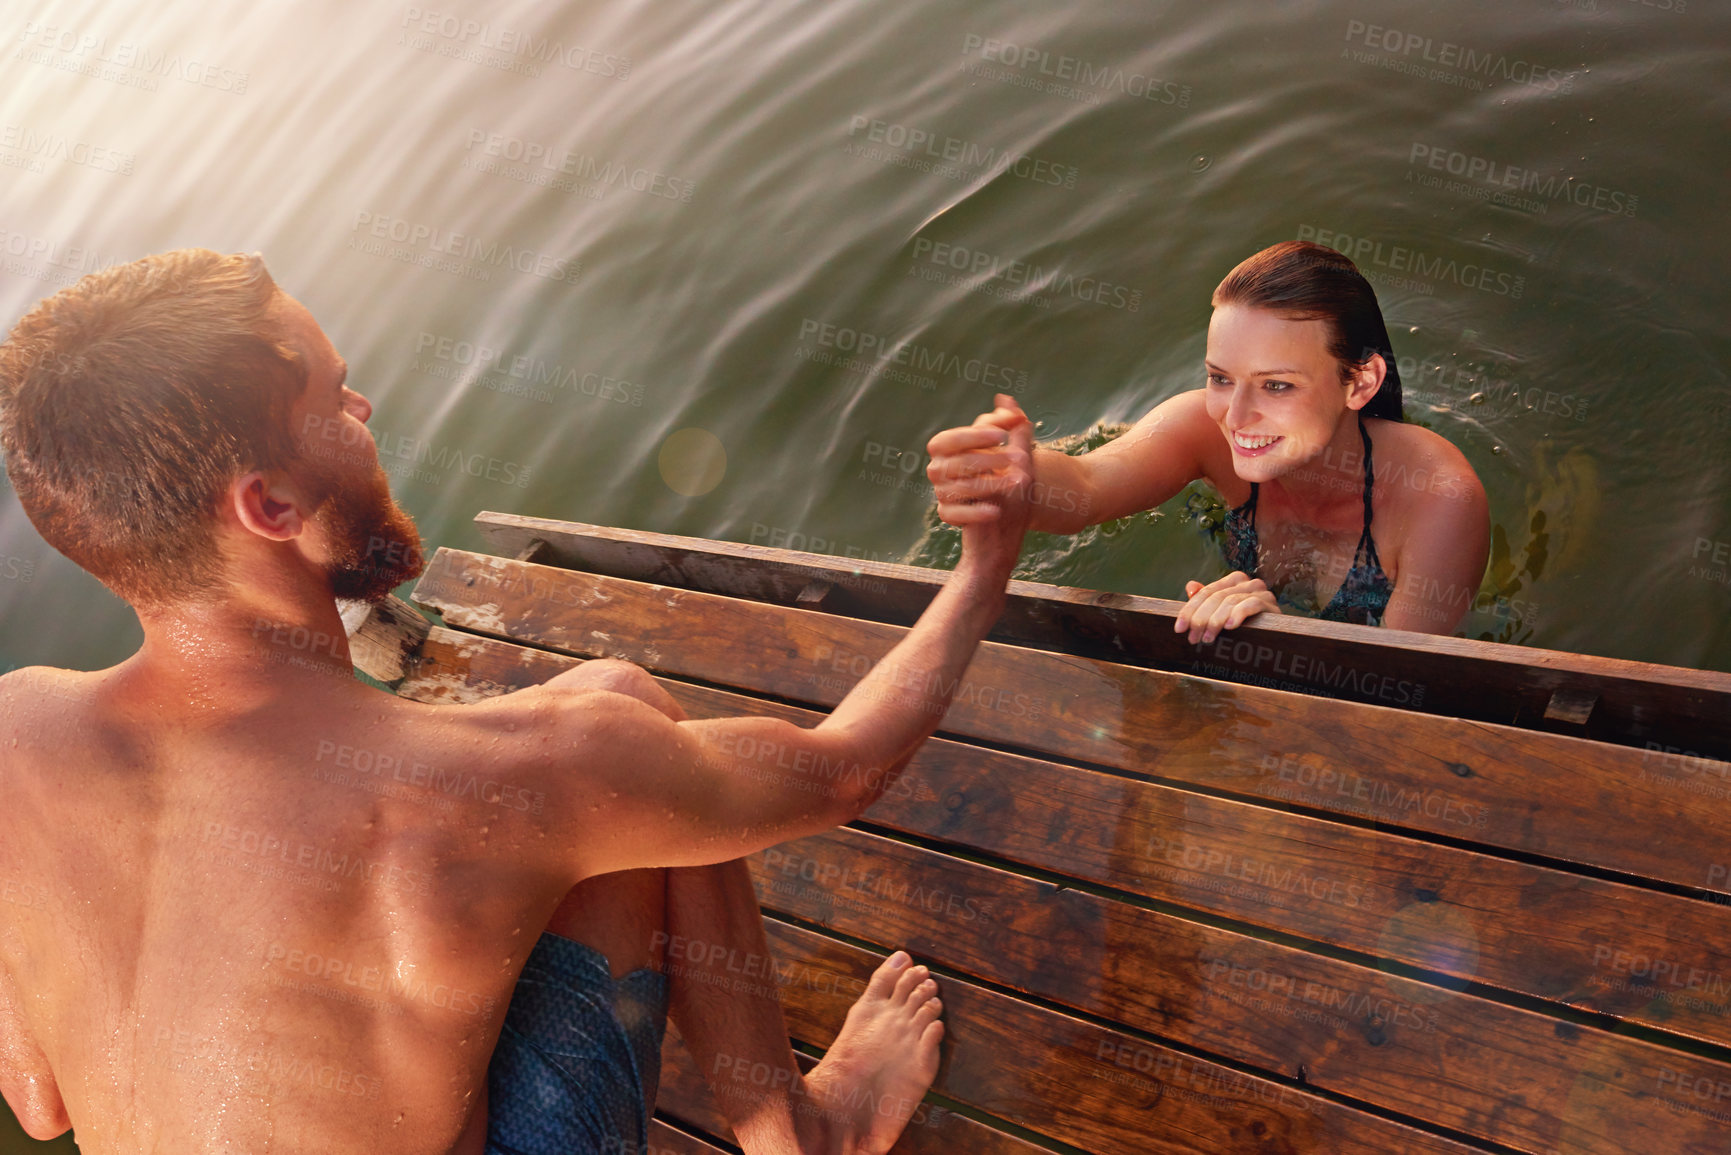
(1154,459)
(1443,559)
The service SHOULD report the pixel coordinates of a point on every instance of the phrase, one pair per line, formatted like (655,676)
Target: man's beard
(375,546)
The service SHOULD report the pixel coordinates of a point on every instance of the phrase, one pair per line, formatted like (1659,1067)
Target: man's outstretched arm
(644,790)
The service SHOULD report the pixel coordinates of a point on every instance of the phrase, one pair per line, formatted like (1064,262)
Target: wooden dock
(1311,888)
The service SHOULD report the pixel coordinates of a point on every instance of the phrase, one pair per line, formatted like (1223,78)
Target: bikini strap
(1366,543)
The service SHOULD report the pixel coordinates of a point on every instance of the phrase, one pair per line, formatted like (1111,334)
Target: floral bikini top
(1362,597)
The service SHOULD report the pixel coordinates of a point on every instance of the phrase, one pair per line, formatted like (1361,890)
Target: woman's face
(1274,389)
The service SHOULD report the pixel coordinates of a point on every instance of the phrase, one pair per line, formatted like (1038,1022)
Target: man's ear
(268,506)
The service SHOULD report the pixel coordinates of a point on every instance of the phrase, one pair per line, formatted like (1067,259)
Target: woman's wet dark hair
(1303,281)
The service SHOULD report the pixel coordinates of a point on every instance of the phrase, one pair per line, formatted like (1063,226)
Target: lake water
(589,259)
(722,269)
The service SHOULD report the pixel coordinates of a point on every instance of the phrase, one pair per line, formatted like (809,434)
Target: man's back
(286,924)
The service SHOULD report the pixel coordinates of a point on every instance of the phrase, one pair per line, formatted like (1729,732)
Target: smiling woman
(1300,429)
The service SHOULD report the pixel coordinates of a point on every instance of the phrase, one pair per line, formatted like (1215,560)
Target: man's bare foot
(858,1099)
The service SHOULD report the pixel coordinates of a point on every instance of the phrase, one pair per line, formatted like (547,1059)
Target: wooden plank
(684,1095)
(383,636)
(454,667)
(1639,703)
(1451,1058)
(1651,958)
(1542,794)
(1103,1090)
(934,1129)
(668,1140)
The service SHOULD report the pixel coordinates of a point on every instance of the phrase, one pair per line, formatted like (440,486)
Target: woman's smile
(1248,445)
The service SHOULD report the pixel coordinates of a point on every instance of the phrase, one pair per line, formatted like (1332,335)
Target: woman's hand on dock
(1222,605)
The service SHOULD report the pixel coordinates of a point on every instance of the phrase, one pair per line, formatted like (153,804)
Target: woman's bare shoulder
(1420,462)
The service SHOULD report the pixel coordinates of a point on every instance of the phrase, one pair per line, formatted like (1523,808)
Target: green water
(713,207)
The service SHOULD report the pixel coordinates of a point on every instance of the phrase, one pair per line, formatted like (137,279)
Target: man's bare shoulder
(555,736)
(43,705)
(35,686)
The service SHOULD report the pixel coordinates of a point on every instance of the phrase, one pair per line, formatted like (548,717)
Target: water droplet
(1477,399)
(1497,449)
(1200,162)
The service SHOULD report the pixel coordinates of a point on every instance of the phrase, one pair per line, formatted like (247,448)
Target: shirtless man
(209,944)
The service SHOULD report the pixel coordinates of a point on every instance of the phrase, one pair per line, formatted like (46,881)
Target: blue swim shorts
(579,1056)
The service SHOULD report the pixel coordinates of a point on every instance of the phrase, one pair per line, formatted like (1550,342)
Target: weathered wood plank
(666,1140)
(1502,1073)
(1099,1089)
(1543,794)
(383,636)
(1652,958)
(456,667)
(1638,703)
(684,1094)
